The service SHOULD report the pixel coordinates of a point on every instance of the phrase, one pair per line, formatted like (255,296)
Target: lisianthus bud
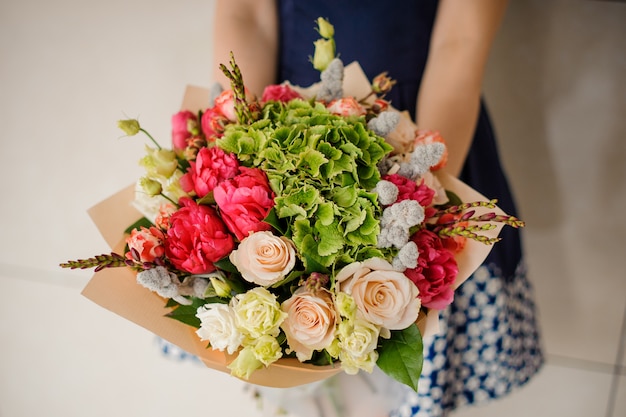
(324,53)
(150,186)
(221,287)
(325,28)
(129,126)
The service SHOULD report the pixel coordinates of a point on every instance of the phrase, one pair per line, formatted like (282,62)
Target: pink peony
(213,123)
(147,244)
(182,125)
(212,166)
(245,201)
(347,106)
(282,92)
(197,237)
(436,270)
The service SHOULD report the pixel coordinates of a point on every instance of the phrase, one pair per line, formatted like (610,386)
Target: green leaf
(187,314)
(330,239)
(401,357)
(143,222)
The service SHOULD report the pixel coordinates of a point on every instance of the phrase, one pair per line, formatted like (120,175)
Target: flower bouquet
(289,238)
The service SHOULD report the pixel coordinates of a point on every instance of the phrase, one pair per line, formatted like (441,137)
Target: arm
(249,28)
(449,97)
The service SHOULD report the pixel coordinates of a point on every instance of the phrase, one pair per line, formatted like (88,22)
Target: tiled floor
(70,69)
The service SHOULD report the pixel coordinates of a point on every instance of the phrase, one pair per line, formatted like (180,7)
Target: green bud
(130,126)
(222,289)
(150,186)
(325,28)
(324,53)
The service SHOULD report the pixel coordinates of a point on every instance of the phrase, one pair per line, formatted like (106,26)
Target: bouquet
(287,238)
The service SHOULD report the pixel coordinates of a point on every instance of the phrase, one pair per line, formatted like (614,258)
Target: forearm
(248,28)
(449,98)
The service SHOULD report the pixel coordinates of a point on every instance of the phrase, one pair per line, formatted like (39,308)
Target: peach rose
(384,296)
(263,258)
(310,323)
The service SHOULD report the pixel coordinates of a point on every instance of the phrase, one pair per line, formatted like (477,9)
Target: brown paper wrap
(117,290)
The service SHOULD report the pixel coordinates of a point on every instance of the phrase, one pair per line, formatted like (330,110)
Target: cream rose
(263,258)
(310,322)
(257,313)
(218,326)
(358,339)
(383,296)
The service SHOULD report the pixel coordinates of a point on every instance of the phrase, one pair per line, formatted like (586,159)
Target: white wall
(70,69)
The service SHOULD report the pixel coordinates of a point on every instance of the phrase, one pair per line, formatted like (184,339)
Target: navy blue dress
(489,342)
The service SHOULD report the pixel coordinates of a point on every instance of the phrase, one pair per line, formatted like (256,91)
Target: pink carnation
(182,125)
(281,92)
(145,244)
(245,201)
(436,270)
(347,106)
(225,104)
(197,237)
(213,123)
(212,166)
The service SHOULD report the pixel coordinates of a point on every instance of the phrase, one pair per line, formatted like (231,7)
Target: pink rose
(212,166)
(383,296)
(347,106)
(426,137)
(145,245)
(244,201)
(213,123)
(197,237)
(310,322)
(282,93)
(225,104)
(183,124)
(436,270)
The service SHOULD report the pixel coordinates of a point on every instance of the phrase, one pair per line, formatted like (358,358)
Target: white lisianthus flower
(218,326)
(358,339)
(383,295)
(245,363)
(310,323)
(263,258)
(149,205)
(257,313)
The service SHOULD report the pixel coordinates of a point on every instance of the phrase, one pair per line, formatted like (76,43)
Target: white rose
(383,295)
(263,258)
(218,326)
(310,322)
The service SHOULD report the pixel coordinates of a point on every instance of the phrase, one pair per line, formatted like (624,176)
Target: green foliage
(401,357)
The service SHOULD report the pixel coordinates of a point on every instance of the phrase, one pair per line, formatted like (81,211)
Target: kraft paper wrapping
(117,290)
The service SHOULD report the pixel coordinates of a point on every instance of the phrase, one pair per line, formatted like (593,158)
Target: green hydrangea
(322,168)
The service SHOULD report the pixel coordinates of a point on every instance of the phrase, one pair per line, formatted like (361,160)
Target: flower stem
(151,138)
